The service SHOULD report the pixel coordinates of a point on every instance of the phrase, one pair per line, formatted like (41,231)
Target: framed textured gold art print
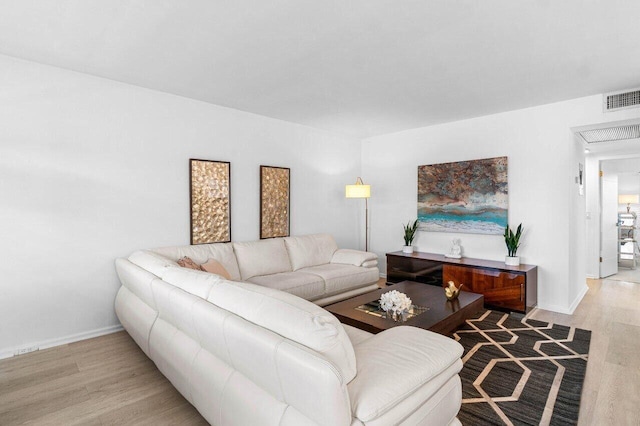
(274,201)
(210,183)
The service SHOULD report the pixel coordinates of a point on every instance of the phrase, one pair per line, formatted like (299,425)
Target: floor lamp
(360,190)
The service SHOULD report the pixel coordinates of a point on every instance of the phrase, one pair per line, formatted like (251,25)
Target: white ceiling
(357,67)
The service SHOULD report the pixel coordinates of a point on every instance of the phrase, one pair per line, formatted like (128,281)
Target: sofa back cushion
(263,257)
(289,316)
(310,250)
(222,252)
(198,283)
(152,262)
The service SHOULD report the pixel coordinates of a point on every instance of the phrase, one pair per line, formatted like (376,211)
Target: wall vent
(611,134)
(615,101)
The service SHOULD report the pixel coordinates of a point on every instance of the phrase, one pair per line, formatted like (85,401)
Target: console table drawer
(500,288)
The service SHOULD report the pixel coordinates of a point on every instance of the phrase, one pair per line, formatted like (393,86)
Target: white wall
(543,162)
(91,169)
(592,195)
(577,265)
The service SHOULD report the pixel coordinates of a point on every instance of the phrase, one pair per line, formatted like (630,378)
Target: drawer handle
(522,292)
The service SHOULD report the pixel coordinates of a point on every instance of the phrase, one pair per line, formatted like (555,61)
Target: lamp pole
(366,224)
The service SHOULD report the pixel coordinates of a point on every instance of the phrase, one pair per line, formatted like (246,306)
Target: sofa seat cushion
(398,362)
(265,257)
(222,252)
(310,250)
(307,286)
(339,278)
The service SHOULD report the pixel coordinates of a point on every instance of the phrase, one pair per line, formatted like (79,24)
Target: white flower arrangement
(395,301)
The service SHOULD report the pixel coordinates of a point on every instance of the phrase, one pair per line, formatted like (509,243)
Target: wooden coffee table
(442,317)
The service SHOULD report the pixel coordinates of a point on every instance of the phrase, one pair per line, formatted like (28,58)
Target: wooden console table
(513,288)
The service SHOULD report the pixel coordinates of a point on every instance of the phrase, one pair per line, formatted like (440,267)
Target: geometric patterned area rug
(520,371)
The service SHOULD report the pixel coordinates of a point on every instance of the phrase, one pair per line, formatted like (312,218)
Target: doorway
(627,203)
(612,169)
(620,227)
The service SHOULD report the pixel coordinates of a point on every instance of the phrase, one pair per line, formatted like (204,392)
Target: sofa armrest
(355,257)
(398,367)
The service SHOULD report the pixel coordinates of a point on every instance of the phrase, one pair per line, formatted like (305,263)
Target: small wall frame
(275,186)
(210,192)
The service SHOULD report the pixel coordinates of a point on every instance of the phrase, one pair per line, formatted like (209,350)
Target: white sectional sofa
(247,354)
(310,266)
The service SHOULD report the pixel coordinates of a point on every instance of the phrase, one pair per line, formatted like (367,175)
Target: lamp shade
(358,190)
(628,199)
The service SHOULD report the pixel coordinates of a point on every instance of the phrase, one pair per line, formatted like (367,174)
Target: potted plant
(409,234)
(513,242)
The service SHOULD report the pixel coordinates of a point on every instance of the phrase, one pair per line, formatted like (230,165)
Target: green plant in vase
(512,240)
(409,234)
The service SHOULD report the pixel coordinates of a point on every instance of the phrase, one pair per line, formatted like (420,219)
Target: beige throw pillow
(186,262)
(214,267)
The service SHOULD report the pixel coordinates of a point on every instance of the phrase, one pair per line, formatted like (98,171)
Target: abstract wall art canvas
(274,201)
(210,183)
(466,196)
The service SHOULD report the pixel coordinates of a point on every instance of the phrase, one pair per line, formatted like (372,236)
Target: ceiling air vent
(611,134)
(615,101)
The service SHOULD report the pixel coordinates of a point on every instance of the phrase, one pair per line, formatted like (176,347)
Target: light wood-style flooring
(109,381)
(611,392)
(103,381)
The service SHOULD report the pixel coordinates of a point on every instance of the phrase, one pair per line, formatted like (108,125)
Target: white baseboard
(563,309)
(578,299)
(554,308)
(45,344)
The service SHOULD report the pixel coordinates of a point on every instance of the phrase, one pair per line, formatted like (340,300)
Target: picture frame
(464,197)
(210,201)
(275,202)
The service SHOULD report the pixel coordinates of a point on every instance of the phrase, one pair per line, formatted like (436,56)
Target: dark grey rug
(520,371)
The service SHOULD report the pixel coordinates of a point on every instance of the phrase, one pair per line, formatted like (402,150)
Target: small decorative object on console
(409,234)
(456,249)
(395,303)
(451,291)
